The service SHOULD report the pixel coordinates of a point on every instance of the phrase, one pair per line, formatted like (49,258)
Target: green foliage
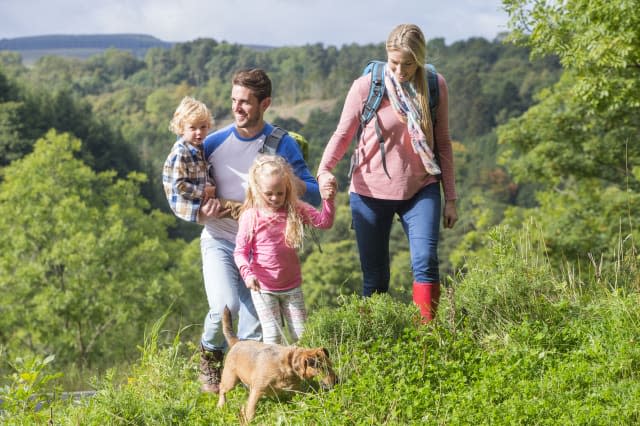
(508,280)
(29,388)
(586,218)
(577,365)
(578,144)
(331,273)
(598,40)
(82,263)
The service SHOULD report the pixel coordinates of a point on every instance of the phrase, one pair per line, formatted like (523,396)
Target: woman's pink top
(266,256)
(407,172)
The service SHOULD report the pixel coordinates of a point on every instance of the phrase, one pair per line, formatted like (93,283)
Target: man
(230,152)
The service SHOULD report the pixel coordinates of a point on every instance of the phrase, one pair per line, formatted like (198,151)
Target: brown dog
(268,369)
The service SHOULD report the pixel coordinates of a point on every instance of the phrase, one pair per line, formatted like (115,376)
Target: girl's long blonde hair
(275,165)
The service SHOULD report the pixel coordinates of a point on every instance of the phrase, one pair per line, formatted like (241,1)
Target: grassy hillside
(524,347)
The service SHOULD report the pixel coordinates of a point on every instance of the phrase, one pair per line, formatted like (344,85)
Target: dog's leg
(252,402)
(228,382)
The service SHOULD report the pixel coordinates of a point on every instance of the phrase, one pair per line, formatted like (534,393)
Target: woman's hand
(449,214)
(328,185)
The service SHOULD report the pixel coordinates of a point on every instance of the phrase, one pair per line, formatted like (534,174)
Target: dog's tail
(227,328)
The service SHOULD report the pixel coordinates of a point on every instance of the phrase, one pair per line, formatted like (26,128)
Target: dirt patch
(299,111)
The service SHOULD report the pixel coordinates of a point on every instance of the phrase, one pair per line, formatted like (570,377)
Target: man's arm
(290,150)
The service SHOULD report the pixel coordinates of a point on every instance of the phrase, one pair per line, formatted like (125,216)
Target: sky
(258,22)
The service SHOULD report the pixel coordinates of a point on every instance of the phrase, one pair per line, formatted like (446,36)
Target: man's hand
(214,208)
(209,192)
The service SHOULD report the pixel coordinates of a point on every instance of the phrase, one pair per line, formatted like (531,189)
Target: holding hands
(328,186)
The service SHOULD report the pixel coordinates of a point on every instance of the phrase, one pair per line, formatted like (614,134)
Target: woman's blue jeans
(224,286)
(372,220)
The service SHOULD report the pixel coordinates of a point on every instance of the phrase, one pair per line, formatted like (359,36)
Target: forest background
(546,153)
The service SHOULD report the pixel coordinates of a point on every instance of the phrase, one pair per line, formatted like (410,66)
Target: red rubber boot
(426,296)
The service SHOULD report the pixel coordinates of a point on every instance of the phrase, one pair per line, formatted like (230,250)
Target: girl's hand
(253,284)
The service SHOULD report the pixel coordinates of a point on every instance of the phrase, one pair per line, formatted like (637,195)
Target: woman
(404,178)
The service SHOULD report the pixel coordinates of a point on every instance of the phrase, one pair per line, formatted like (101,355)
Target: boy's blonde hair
(275,165)
(190,111)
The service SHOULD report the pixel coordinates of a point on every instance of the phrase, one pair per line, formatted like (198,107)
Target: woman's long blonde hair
(275,165)
(409,38)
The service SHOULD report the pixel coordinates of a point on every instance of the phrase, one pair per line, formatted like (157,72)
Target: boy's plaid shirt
(184,176)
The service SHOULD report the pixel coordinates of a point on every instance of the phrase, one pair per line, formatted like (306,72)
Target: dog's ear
(298,362)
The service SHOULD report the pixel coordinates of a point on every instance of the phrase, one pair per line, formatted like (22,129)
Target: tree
(579,143)
(330,273)
(83,266)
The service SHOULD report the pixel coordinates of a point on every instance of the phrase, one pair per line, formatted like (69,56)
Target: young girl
(270,231)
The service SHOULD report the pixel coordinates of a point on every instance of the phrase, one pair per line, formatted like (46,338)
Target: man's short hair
(256,80)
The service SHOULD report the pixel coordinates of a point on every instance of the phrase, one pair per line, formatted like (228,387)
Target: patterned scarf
(403,99)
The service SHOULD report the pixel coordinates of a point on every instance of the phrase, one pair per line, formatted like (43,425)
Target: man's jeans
(224,286)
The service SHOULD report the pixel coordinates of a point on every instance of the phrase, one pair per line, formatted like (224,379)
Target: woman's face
(402,65)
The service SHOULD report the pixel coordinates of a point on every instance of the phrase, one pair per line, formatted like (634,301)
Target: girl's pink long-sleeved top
(407,172)
(266,256)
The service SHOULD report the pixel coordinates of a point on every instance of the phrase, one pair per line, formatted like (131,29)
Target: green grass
(514,344)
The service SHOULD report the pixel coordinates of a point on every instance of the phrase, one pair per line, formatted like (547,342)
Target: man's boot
(210,370)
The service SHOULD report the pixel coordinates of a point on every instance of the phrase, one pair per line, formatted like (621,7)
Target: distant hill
(83,46)
(80,46)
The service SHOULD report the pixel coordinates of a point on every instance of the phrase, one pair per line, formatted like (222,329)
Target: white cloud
(268,22)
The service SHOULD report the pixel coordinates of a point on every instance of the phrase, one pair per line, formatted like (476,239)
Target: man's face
(247,111)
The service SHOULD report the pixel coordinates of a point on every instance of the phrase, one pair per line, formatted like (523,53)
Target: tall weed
(511,281)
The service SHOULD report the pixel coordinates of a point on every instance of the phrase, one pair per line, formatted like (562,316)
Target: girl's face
(273,191)
(195,133)
(402,65)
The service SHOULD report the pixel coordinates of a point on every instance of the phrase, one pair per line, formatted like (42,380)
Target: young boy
(187,183)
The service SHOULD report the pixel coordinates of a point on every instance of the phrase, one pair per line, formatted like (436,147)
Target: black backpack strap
(376,92)
(369,112)
(434,90)
(272,140)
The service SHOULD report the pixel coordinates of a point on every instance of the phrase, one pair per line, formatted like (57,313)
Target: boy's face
(195,133)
